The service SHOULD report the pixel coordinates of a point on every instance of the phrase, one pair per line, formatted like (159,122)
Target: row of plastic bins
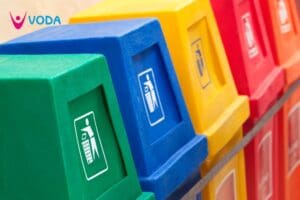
(66,114)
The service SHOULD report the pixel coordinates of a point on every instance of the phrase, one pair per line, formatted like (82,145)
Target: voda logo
(18,21)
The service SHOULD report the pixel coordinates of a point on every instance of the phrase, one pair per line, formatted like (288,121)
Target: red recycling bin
(257,76)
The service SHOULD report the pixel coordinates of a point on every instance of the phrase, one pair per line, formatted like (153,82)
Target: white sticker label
(249,35)
(90,147)
(265,177)
(285,25)
(227,188)
(294,137)
(150,95)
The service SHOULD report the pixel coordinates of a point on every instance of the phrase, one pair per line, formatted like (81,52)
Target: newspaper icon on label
(150,95)
(90,147)
(285,25)
(249,35)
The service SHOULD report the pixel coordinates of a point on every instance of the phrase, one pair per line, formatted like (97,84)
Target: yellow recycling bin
(203,71)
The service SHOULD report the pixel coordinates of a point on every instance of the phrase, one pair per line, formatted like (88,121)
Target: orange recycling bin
(289,155)
(283,28)
(290,140)
(204,75)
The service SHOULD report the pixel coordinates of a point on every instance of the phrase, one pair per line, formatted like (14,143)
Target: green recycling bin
(61,132)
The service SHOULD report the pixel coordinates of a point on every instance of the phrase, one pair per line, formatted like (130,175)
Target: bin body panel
(73,125)
(229,183)
(261,162)
(158,126)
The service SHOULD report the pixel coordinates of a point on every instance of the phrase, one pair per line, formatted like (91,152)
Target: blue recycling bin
(165,148)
